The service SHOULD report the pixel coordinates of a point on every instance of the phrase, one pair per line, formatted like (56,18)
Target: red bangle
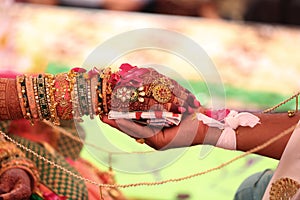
(9,102)
(63,96)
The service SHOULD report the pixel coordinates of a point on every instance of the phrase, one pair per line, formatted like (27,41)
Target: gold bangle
(31,96)
(20,81)
(105,88)
(74,95)
(94,95)
(50,90)
(36,96)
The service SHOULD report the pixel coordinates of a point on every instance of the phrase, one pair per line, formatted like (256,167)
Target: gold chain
(100,185)
(284,102)
(68,134)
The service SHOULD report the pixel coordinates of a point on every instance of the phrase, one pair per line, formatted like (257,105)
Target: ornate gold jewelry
(63,96)
(99,109)
(284,189)
(94,95)
(36,96)
(74,95)
(31,96)
(291,113)
(161,93)
(106,88)
(42,96)
(138,94)
(23,98)
(50,91)
(161,90)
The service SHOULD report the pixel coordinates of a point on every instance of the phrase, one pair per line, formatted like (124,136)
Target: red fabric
(8,74)
(217,114)
(158,114)
(138,115)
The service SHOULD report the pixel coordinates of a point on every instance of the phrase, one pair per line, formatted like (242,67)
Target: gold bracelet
(36,96)
(105,88)
(74,95)
(20,82)
(31,96)
(94,94)
(50,90)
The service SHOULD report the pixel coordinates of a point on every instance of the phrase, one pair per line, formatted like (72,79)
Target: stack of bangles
(64,96)
(11,157)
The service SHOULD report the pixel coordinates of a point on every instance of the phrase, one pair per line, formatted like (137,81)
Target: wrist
(211,136)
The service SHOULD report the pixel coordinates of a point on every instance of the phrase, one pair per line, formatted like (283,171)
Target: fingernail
(197,103)
(181,109)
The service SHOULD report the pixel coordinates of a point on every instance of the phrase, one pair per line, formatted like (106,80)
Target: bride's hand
(144,89)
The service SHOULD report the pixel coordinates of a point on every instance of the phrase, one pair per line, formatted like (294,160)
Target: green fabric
(254,187)
(57,180)
(35,197)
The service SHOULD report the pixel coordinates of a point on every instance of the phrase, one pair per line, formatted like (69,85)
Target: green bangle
(43,97)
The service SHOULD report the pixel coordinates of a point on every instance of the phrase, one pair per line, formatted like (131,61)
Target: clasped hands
(159,93)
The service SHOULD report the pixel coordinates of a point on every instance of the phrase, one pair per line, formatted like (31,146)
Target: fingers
(129,127)
(136,130)
(189,132)
(184,98)
(154,137)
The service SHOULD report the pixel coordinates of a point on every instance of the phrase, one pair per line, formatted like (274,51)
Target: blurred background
(254,44)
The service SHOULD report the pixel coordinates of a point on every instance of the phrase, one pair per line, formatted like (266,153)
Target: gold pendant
(162,93)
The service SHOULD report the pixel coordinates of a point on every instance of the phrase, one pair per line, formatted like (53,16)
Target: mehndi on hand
(145,94)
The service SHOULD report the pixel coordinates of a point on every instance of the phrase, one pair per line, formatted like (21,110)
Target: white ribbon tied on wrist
(233,120)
